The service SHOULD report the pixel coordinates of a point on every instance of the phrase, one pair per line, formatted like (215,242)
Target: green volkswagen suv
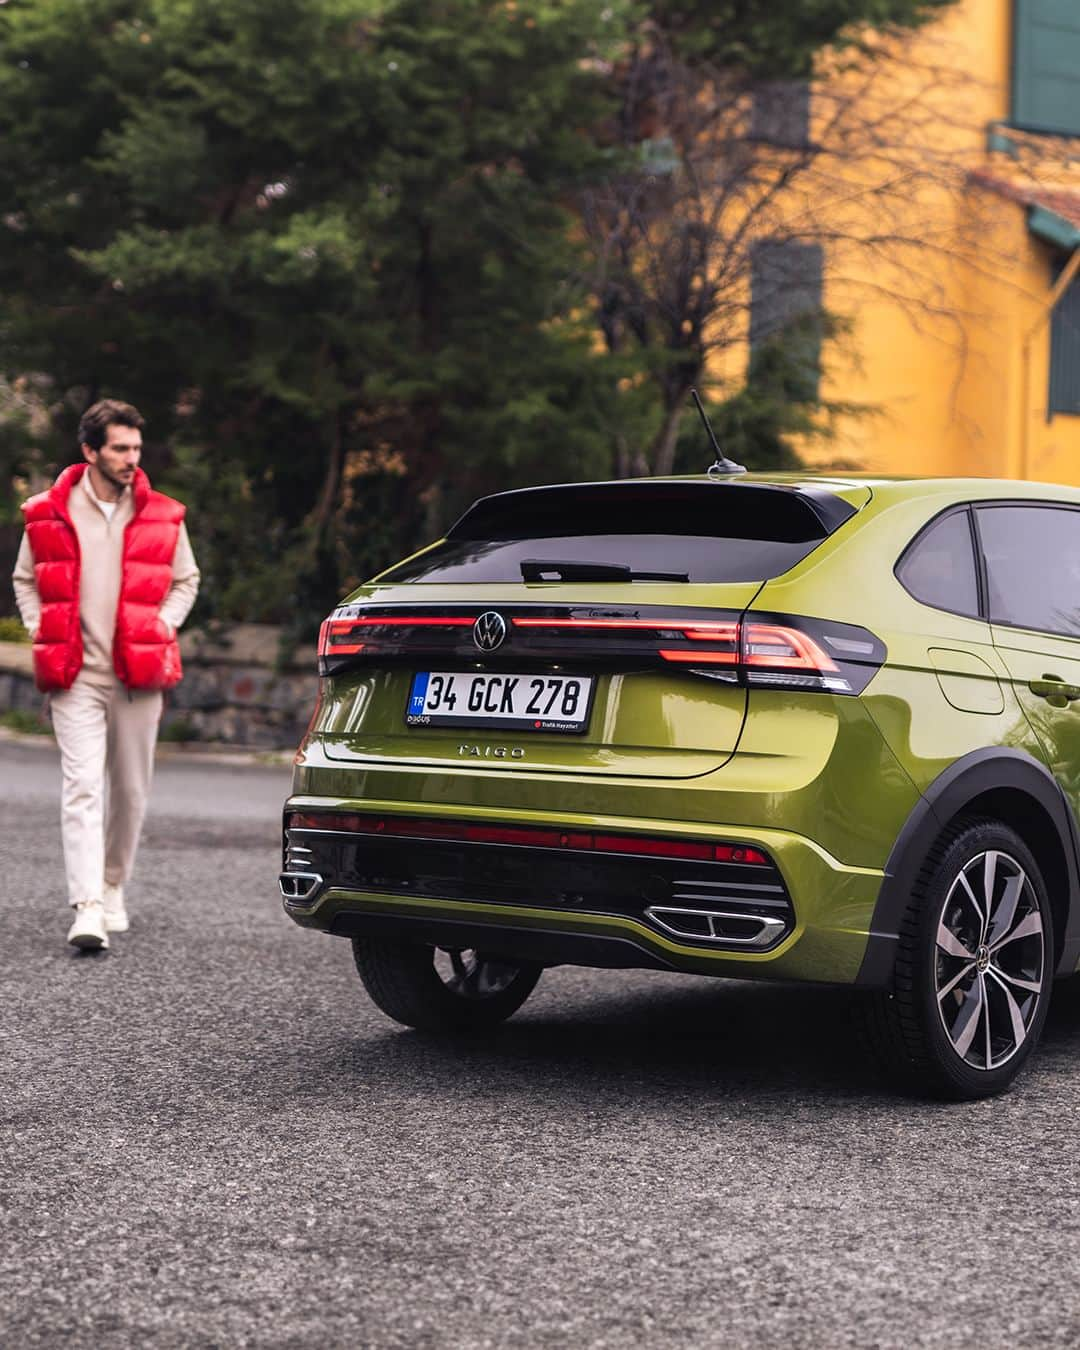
(774,727)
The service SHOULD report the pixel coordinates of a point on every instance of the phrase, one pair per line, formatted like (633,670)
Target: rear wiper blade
(552,569)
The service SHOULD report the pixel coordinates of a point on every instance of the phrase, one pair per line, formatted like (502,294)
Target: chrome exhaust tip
(717,927)
(298,887)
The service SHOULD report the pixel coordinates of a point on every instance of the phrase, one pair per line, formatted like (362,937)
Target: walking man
(104,578)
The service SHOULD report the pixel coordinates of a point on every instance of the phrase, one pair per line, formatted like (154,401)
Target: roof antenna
(722,465)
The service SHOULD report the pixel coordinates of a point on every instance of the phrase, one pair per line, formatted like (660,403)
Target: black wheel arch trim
(972,776)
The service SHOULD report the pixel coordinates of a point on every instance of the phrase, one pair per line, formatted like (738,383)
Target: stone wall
(233,691)
(17,692)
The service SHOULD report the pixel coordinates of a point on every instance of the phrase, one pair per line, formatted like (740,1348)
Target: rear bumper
(811,922)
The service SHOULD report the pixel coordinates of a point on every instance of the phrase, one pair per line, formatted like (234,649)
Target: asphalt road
(208,1137)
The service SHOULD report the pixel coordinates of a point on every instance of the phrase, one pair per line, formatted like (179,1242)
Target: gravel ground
(210,1138)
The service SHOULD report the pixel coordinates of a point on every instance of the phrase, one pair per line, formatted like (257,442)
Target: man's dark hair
(107,412)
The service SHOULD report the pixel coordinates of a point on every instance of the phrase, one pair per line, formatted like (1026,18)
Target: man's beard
(118,483)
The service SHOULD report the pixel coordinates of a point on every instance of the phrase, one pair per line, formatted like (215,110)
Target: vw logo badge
(489,631)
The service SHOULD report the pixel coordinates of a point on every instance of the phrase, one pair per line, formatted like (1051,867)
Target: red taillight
(766,644)
(413,621)
(723,635)
(701,658)
(738,854)
(709,632)
(334,635)
(777,651)
(774,654)
(530,836)
(339,636)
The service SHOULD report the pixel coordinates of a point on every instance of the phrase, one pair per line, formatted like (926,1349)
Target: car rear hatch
(590,629)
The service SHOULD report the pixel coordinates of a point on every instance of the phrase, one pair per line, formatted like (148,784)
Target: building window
(785,309)
(1046,66)
(1064,394)
(780,113)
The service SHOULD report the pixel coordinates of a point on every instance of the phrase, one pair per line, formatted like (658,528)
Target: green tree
(342,251)
(780,39)
(323,244)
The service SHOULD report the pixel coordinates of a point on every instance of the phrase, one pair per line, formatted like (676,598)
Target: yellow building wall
(939,370)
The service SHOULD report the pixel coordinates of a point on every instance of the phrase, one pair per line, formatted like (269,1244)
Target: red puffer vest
(145,656)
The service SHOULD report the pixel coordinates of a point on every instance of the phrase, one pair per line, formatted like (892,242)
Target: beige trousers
(106,737)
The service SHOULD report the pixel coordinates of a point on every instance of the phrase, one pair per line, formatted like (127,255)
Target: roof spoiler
(491,515)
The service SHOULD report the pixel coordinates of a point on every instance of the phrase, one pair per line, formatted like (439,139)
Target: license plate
(445,698)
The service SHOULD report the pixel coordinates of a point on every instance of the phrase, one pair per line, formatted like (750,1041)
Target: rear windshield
(703,532)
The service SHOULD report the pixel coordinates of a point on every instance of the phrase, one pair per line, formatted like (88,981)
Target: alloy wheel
(990,960)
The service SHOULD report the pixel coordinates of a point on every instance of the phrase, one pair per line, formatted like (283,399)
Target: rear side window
(698,532)
(1033,566)
(939,567)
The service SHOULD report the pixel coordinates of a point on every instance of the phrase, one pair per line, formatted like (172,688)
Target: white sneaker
(88,930)
(116,917)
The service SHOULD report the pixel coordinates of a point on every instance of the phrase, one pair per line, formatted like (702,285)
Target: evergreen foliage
(780,39)
(331,249)
(323,245)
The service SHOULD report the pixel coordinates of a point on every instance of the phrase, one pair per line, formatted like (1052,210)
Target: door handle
(1054,690)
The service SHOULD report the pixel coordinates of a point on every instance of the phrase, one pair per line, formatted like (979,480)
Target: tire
(439,990)
(971,988)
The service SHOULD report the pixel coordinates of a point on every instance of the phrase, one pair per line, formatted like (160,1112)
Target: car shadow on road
(721,1037)
(708,1039)
(1062,1032)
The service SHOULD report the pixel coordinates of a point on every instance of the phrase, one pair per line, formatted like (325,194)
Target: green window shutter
(786,285)
(1065,352)
(1046,66)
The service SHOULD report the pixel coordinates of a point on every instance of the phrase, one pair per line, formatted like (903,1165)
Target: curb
(213,752)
